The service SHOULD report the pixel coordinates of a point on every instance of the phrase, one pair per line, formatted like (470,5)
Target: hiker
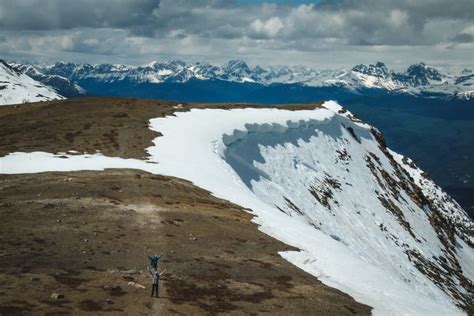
(154,261)
(155,280)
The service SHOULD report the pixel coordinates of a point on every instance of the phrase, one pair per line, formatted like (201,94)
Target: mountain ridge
(63,86)
(17,87)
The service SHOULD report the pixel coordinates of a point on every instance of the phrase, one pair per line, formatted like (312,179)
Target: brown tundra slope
(86,235)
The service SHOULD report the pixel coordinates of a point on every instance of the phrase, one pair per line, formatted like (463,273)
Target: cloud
(266,29)
(465,36)
(247,28)
(68,14)
(364,22)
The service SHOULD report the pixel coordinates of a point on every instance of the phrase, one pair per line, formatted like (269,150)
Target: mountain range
(237,81)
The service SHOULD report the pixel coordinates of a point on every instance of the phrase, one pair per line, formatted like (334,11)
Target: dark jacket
(154,260)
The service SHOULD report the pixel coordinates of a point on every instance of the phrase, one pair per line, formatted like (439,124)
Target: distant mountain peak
(378,69)
(421,74)
(63,63)
(175,62)
(4,63)
(466,71)
(8,68)
(151,64)
(236,63)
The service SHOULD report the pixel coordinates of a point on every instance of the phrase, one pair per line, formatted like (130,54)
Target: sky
(322,34)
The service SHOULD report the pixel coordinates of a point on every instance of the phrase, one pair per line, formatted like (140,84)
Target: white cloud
(213,30)
(398,17)
(269,28)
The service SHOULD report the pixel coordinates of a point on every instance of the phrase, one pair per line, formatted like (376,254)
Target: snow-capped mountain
(422,75)
(370,77)
(418,79)
(63,86)
(364,219)
(466,79)
(16,87)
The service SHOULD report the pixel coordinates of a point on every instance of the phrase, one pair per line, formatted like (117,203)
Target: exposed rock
(57,296)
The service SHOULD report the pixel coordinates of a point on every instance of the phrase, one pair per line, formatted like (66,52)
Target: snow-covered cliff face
(340,180)
(16,87)
(366,220)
